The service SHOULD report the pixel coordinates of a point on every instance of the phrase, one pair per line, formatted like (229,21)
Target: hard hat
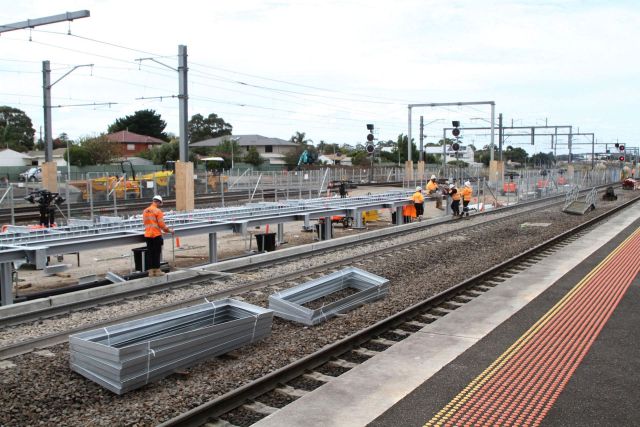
(158,198)
(418,188)
(433,177)
(451,186)
(467,184)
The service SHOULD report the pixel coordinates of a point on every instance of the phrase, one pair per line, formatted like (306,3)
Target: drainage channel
(263,396)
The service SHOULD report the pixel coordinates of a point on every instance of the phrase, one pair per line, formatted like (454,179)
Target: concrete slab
(365,392)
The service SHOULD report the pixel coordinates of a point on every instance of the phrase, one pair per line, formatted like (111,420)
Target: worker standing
(154,225)
(343,190)
(455,199)
(467,193)
(432,190)
(418,202)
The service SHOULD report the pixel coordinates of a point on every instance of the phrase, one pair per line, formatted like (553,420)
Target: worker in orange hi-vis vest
(154,225)
(455,200)
(432,190)
(467,193)
(418,202)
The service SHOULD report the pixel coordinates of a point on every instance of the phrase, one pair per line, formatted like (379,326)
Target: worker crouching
(154,225)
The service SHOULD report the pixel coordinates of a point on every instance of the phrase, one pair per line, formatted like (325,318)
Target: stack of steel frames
(288,304)
(129,355)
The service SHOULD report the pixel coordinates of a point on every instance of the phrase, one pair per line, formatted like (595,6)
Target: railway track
(363,239)
(370,246)
(246,404)
(290,345)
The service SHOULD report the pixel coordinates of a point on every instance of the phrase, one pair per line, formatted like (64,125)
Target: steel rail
(61,337)
(257,265)
(235,398)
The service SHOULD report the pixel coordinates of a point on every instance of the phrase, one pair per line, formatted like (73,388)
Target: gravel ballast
(41,389)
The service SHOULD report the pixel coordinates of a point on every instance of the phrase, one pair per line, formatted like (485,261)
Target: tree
(300,138)
(401,146)
(201,128)
(16,129)
(543,160)
(143,122)
(80,156)
(61,141)
(226,149)
(253,157)
(101,150)
(517,154)
(360,158)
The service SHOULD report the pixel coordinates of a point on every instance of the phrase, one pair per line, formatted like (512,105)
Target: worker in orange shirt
(418,202)
(467,193)
(455,200)
(432,190)
(154,225)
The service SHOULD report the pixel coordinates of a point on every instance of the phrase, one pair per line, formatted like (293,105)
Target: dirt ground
(189,252)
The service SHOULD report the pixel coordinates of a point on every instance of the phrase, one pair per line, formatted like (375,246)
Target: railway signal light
(370,148)
(370,134)
(455,146)
(455,131)
(621,147)
(621,158)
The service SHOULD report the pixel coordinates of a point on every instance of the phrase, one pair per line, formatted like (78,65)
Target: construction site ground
(188,251)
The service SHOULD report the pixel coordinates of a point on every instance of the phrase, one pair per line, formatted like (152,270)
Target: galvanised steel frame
(34,246)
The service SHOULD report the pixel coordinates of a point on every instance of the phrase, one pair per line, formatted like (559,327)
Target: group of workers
(465,194)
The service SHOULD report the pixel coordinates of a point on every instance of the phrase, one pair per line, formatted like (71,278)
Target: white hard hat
(452,185)
(158,198)
(467,184)
(418,188)
(433,177)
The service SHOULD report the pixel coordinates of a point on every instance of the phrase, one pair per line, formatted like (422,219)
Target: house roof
(244,141)
(126,137)
(9,151)
(56,152)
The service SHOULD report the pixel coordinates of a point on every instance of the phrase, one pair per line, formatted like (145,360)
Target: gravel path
(40,389)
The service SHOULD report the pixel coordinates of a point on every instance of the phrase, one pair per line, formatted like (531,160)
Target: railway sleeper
(317,376)
(219,423)
(400,332)
(287,390)
(259,408)
(425,318)
(416,324)
(341,363)
(383,341)
(471,294)
(365,352)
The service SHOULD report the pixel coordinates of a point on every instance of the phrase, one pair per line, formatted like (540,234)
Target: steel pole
(183,97)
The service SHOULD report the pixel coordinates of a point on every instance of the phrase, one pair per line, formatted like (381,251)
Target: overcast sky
(328,67)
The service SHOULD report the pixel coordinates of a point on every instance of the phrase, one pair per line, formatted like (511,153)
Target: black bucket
(266,242)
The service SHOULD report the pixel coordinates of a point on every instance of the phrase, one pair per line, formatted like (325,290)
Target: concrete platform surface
(394,387)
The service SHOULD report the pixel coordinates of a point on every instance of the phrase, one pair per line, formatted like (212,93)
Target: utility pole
(49,168)
(500,136)
(46,87)
(421,155)
(184,168)
(183,98)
